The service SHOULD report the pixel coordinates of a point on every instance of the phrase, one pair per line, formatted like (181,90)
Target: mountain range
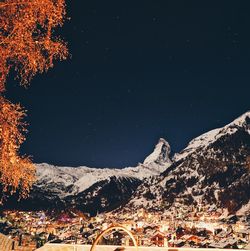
(213,169)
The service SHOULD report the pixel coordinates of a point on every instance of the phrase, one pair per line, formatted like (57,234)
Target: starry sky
(139,70)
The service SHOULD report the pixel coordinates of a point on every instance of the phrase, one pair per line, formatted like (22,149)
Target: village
(179,227)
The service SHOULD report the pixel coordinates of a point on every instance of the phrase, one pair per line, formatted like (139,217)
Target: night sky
(139,70)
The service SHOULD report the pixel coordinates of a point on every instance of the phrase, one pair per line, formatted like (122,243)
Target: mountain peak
(243,120)
(160,155)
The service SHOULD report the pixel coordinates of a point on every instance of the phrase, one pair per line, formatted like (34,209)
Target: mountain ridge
(91,189)
(212,169)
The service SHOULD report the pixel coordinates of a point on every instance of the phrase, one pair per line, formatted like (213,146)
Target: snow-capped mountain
(73,180)
(93,189)
(208,138)
(160,157)
(213,169)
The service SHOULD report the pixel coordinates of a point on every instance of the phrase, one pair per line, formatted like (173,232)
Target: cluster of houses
(190,228)
(34,229)
(178,227)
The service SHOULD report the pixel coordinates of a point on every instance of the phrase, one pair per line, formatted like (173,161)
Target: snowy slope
(213,169)
(93,189)
(84,177)
(208,138)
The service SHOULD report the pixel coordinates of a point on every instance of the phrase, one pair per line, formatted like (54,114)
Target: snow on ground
(209,137)
(160,154)
(84,177)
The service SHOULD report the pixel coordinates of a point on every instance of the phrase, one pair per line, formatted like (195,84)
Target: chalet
(159,239)
(224,243)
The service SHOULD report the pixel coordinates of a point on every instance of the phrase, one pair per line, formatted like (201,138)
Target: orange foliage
(15,172)
(27,46)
